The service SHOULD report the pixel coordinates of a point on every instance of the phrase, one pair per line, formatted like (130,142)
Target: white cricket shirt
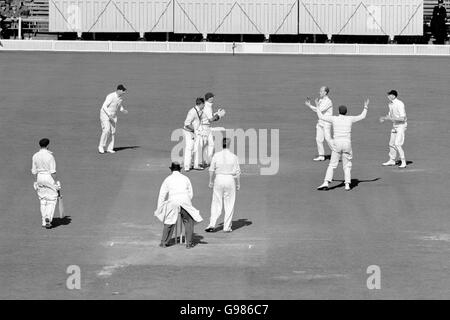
(397,109)
(225,162)
(208,114)
(43,162)
(194,118)
(112,104)
(325,106)
(342,125)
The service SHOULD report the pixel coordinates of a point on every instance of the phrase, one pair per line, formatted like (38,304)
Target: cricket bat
(60,205)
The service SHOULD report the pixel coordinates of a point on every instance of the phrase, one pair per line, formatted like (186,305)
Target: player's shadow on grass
(353,184)
(56,222)
(234,225)
(126,148)
(197,239)
(399,162)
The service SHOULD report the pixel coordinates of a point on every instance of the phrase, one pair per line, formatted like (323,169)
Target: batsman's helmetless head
(343,110)
(392,95)
(121,89)
(209,97)
(200,102)
(43,143)
(324,91)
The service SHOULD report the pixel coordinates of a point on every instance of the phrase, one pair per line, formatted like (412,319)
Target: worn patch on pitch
(303,276)
(107,271)
(436,237)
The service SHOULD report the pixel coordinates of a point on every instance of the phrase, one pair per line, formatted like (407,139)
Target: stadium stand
(38,19)
(36,23)
(34,15)
(428,6)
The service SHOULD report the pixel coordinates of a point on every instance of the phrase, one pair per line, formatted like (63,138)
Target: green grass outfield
(300,244)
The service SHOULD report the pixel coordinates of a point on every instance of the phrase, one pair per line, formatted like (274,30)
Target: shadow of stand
(126,148)
(56,222)
(353,184)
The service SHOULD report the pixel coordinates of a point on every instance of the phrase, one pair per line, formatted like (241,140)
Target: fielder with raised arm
(108,118)
(397,114)
(323,128)
(342,128)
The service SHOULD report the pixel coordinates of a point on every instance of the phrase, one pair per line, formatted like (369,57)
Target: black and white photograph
(233,151)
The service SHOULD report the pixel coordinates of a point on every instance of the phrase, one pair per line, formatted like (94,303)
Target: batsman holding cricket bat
(46,184)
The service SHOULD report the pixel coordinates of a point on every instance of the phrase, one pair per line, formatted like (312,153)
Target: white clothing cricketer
(397,114)
(342,127)
(108,118)
(323,128)
(225,166)
(44,167)
(192,133)
(209,117)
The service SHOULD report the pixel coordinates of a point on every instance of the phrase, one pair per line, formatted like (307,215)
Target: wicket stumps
(179,230)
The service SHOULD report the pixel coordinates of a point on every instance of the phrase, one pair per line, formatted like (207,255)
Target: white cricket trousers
(108,130)
(342,148)
(189,140)
(210,146)
(396,142)
(224,194)
(200,142)
(45,187)
(323,132)
(47,209)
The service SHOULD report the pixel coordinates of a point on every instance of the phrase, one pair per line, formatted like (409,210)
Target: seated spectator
(24,10)
(3,10)
(14,13)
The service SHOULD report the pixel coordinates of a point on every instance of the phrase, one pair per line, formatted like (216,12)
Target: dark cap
(199,101)
(175,166)
(209,95)
(121,87)
(440,1)
(393,92)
